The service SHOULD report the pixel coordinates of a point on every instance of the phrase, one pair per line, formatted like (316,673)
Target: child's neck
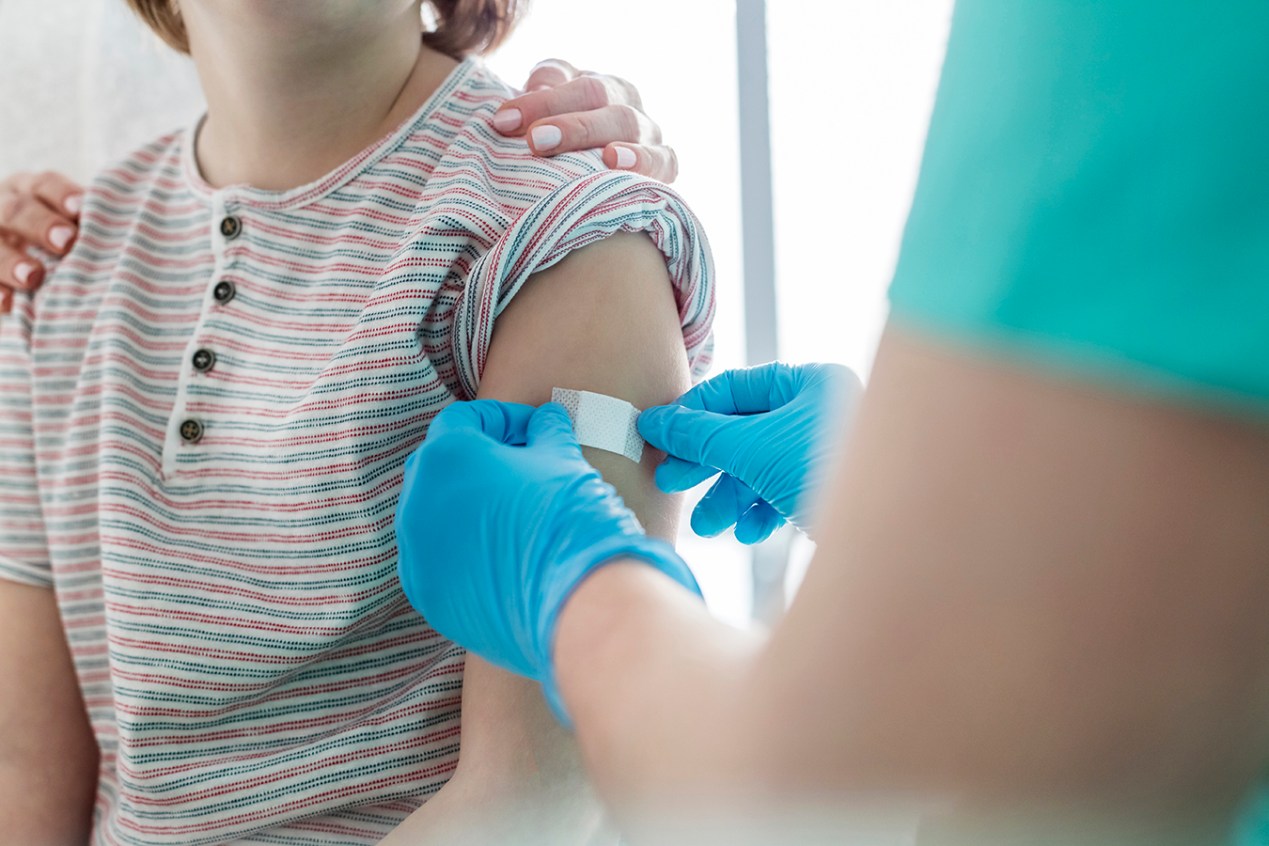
(284,108)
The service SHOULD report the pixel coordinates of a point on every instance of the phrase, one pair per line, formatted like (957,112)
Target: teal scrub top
(1095,197)
(1095,193)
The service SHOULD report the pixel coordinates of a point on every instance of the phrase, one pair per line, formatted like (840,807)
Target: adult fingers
(714,394)
(550,426)
(577,95)
(18,270)
(689,434)
(58,192)
(505,422)
(549,73)
(674,475)
(758,523)
(655,161)
(747,390)
(722,506)
(28,219)
(593,129)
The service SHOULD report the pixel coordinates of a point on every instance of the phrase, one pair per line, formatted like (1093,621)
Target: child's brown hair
(462,26)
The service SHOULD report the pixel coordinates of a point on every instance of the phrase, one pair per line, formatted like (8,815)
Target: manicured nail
(547,137)
(626,158)
(508,120)
(74,203)
(26,273)
(60,236)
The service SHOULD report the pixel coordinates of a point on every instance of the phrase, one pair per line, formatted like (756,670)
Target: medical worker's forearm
(1098,635)
(656,687)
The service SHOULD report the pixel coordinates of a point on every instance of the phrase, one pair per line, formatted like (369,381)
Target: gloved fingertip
(550,423)
(750,532)
(708,523)
(674,475)
(651,422)
(665,477)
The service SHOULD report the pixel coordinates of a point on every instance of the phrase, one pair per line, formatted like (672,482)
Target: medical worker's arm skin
(48,756)
(1024,587)
(603,320)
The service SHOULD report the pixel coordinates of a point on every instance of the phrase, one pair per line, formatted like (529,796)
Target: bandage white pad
(602,422)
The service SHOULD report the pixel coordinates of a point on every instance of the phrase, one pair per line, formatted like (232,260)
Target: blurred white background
(852,84)
(851,87)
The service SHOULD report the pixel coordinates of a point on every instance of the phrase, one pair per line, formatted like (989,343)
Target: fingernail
(60,236)
(626,158)
(508,120)
(26,273)
(74,203)
(547,137)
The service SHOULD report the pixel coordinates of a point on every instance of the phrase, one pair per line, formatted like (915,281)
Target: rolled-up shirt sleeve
(579,213)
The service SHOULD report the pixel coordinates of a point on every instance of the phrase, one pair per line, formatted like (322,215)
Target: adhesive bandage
(602,422)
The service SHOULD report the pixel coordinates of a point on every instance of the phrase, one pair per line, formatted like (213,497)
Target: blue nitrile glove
(500,519)
(768,429)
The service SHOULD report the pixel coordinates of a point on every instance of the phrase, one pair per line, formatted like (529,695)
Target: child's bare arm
(48,757)
(603,320)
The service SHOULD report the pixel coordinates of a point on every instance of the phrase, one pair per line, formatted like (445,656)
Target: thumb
(551,426)
(694,436)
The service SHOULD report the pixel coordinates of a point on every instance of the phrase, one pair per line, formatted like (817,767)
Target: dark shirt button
(230,227)
(191,431)
(204,360)
(223,292)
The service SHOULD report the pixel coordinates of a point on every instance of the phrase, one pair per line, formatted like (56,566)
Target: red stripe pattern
(203,419)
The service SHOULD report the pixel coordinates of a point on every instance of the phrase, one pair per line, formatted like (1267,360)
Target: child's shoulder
(154,165)
(469,159)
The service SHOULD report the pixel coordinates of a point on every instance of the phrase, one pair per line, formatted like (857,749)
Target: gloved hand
(768,429)
(500,518)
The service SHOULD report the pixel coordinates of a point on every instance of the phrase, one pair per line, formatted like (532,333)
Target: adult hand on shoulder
(768,429)
(500,518)
(565,109)
(36,210)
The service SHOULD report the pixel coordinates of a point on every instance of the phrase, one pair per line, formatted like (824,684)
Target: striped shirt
(204,415)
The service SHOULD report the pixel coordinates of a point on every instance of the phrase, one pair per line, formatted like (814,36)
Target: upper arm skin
(1030,585)
(48,756)
(602,320)
(605,320)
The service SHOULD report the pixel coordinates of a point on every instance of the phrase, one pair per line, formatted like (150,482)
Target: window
(850,88)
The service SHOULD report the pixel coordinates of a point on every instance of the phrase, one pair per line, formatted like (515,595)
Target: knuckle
(19,182)
(580,134)
(627,121)
(559,65)
(629,91)
(10,204)
(594,94)
(44,180)
(551,72)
